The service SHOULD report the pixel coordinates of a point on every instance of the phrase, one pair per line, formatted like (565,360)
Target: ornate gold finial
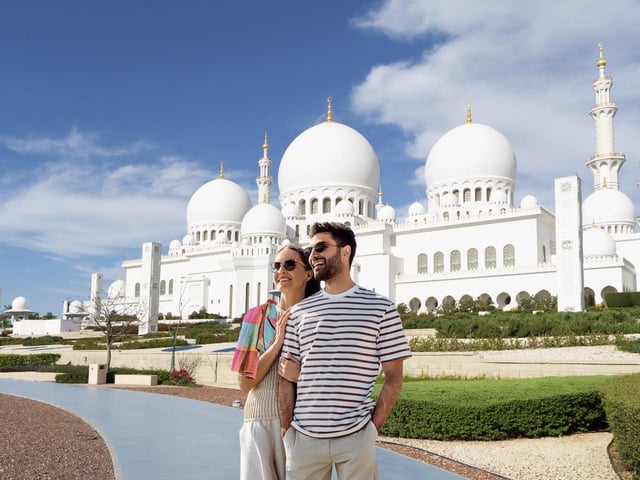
(469,120)
(601,61)
(221,169)
(593,223)
(604,182)
(266,141)
(380,193)
(329,113)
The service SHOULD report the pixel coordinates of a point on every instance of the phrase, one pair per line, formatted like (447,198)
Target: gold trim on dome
(329,112)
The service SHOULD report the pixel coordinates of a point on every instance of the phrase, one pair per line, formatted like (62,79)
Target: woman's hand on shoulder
(289,368)
(281,328)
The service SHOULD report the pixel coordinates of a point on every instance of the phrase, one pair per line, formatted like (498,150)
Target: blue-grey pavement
(167,437)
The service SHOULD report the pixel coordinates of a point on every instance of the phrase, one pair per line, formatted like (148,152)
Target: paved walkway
(166,437)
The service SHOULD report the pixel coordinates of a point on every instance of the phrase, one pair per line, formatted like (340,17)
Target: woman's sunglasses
(289,265)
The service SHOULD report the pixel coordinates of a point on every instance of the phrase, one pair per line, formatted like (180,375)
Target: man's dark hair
(341,233)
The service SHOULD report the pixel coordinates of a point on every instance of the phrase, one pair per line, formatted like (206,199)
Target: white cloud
(526,69)
(73,207)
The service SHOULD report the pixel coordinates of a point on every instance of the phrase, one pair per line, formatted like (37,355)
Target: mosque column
(606,163)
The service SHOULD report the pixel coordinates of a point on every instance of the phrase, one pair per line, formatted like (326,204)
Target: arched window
(544,254)
(361,207)
(136,290)
(197,236)
(472,259)
(466,195)
(228,235)
(314,205)
(326,205)
(455,260)
(478,194)
(445,216)
(438,262)
(163,287)
(205,236)
(490,257)
(246,296)
(302,208)
(423,263)
(171,287)
(509,255)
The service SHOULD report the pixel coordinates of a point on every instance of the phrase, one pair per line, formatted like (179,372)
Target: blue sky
(114,113)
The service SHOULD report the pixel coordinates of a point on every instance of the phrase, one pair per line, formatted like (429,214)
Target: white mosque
(471,242)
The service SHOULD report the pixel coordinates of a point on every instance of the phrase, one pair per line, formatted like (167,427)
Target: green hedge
(618,299)
(13,360)
(621,400)
(80,374)
(496,409)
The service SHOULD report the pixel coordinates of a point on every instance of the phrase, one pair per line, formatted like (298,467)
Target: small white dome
(528,201)
(290,210)
(607,206)
(187,240)
(329,153)
(217,201)
(117,289)
(387,213)
(20,304)
(175,245)
(597,242)
(498,196)
(344,207)
(264,219)
(416,208)
(470,151)
(76,307)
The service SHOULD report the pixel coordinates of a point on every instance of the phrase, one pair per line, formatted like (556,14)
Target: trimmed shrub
(496,409)
(618,299)
(13,360)
(621,400)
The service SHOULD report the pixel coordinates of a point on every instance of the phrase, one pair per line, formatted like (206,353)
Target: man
(341,335)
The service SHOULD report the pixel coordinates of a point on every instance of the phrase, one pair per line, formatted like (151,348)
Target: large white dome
(328,154)
(20,304)
(608,206)
(264,219)
(470,151)
(217,201)
(597,242)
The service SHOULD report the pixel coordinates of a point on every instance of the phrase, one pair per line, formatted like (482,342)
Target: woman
(255,359)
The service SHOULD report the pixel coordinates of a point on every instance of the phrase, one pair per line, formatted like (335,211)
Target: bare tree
(114,317)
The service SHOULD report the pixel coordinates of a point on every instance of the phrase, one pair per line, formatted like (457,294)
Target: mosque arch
(466,195)
(361,207)
(472,259)
(605,290)
(314,205)
(522,296)
(326,205)
(423,263)
(171,287)
(438,262)
(465,303)
(485,297)
(414,305)
(490,257)
(589,297)
(509,255)
(503,300)
(136,290)
(431,304)
(542,296)
(163,287)
(477,194)
(302,207)
(445,216)
(454,261)
(247,289)
(448,303)
(205,235)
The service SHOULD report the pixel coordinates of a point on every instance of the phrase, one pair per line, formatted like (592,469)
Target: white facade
(466,240)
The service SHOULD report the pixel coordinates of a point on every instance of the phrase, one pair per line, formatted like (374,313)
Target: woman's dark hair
(312,285)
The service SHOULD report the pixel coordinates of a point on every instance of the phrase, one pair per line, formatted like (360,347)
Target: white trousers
(261,451)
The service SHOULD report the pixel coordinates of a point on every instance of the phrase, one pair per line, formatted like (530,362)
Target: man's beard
(332,267)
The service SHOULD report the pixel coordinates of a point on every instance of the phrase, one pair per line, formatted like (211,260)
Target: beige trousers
(311,458)
(261,451)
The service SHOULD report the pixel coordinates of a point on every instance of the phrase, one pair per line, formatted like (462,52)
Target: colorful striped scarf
(256,334)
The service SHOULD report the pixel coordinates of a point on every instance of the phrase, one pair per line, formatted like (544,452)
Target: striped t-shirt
(341,340)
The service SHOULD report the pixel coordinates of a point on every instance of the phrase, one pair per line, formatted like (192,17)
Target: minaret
(606,163)
(264,181)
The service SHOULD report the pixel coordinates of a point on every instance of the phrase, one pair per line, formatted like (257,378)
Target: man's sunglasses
(289,265)
(322,246)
